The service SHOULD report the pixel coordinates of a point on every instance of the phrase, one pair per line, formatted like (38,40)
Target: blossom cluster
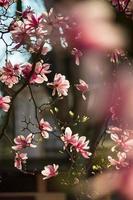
(5,103)
(22,142)
(124,144)
(33,32)
(80,144)
(11,74)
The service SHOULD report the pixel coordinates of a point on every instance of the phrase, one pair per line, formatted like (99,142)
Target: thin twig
(35,105)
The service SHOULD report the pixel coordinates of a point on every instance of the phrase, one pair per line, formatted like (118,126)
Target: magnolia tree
(77,32)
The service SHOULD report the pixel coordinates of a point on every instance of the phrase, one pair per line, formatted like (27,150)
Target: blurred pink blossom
(10,74)
(108,182)
(4,103)
(121,162)
(77,54)
(95,26)
(82,87)
(5,3)
(51,20)
(121,137)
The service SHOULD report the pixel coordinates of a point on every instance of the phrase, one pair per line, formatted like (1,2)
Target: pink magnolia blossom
(23,142)
(27,12)
(77,53)
(20,34)
(82,87)
(39,74)
(20,159)
(10,74)
(60,84)
(34,24)
(4,103)
(5,3)
(68,138)
(81,146)
(121,137)
(51,20)
(121,162)
(113,130)
(79,143)
(32,21)
(50,171)
(45,127)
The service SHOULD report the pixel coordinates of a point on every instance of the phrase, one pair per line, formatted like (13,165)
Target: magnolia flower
(51,20)
(121,137)
(32,22)
(10,74)
(79,143)
(45,127)
(20,159)
(81,146)
(113,129)
(68,138)
(39,74)
(77,53)
(23,142)
(121,162)
(82,87)
(35,25)
(20,34)
(50,171)
(115,135)
(4,103)
(27,12)
(60,85)
(5,3)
